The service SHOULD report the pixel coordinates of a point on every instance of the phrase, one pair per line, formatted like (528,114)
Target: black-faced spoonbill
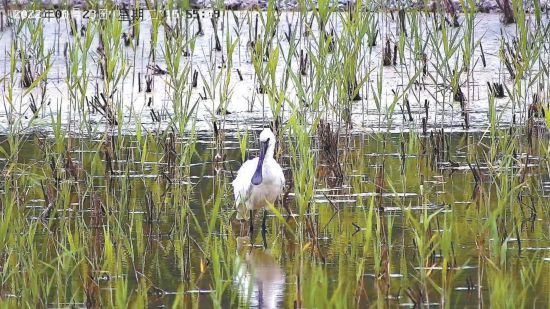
(259,181)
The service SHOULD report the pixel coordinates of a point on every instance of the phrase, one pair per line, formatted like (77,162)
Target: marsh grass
(125,201)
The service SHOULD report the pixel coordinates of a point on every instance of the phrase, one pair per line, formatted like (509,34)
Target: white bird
(260,180)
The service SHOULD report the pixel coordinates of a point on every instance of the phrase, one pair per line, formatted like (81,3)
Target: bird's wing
(242,184)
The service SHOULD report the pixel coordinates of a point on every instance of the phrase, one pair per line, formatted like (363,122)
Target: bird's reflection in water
(259,279)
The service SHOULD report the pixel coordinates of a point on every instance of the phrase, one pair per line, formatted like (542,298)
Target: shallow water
(142,214)
(206,260)
(246,105)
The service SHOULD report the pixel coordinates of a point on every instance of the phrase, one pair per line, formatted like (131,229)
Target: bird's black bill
(257,178)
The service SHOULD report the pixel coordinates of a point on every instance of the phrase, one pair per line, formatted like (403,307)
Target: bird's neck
(270,152)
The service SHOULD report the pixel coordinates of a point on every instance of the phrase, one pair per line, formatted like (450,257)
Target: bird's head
(267,137)
(267,147)
(267,143)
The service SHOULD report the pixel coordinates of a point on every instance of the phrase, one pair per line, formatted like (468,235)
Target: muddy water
(166,259)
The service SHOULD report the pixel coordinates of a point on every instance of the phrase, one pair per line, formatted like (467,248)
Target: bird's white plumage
(252,196)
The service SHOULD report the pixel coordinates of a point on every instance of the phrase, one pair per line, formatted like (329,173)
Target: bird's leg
(264,228)
(251,223)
